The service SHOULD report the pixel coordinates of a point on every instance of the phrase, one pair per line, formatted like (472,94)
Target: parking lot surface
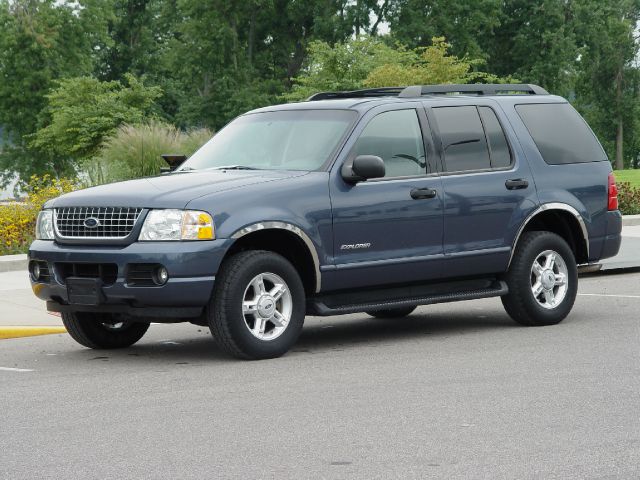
(454,391)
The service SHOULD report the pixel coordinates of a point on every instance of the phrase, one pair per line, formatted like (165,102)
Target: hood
(167,191)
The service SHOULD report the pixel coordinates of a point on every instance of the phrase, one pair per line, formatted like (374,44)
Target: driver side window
(395,137)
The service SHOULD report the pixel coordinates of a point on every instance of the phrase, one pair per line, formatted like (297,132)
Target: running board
(318,306)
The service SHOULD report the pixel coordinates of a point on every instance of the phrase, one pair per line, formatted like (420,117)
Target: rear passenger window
(498,146)
(463,139)
(395,137)
(560,133)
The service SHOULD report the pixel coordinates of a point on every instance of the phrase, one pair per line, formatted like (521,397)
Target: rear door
(488,187)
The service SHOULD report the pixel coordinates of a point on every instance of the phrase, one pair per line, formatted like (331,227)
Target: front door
(389,230)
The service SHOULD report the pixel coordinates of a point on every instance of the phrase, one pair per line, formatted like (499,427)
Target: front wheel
(542,280)
(258,305)
(102,330)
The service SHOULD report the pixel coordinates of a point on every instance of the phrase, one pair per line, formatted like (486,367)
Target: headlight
(44,225)
(168,225)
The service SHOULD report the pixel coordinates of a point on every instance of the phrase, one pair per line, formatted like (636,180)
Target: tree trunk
(619,121)
(252,34)
(619,139)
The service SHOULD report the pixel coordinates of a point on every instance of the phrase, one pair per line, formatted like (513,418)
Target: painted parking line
(21,331)
(22,370)
(607,295)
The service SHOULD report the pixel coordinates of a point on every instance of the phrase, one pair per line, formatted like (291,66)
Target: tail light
(613,193)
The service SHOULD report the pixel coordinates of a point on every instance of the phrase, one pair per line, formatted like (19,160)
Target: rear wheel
(258,305)
(392,312)
(103,330)
(542,280)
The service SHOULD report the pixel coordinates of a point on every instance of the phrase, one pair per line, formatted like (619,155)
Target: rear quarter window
(560,133)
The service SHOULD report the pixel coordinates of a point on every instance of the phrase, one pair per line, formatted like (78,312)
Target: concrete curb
(631,220)
(19,331)
(12,263)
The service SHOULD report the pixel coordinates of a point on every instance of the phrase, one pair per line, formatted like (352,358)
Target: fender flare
(275,225)
(552,206)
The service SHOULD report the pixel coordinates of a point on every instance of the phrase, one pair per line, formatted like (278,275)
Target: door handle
(516,184)
(421,193)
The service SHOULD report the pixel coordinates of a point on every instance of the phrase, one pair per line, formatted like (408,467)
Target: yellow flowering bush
(17,219)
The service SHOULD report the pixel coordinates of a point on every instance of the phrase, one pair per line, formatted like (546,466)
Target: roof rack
(367,92)
(473,89)
(420,90)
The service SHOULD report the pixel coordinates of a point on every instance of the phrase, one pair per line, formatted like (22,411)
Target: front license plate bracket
(84,291)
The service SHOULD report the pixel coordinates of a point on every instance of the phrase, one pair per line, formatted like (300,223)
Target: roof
(365,99)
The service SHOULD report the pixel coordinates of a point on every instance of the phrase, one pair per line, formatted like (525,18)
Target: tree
(369,62)
(466,25)
(536,42)
(228,57)
(134,39)
(83,111)
(608,78)
(41,41)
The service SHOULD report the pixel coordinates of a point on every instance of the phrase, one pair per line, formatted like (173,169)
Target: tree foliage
(84,111)
(370,62)
(41,41)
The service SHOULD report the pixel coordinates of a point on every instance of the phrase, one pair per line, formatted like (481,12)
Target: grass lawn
(631,176)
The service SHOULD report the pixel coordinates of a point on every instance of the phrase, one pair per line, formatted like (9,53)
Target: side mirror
(174,160)
(363,167)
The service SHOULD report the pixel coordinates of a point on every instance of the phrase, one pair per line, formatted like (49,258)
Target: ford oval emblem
(91,222)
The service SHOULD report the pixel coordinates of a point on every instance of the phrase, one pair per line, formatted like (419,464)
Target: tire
(554,300)
(392,312)
(243,317)
(102,330)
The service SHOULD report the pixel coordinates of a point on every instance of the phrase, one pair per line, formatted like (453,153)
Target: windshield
(281,140)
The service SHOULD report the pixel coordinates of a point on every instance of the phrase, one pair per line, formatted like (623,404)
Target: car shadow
(333,332)
(180,347)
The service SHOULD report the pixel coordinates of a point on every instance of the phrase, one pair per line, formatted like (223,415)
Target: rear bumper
(613,237)
(192,267)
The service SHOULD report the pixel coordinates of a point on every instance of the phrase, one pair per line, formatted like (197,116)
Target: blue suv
(367,201)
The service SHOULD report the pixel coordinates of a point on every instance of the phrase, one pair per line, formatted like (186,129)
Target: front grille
(106,222)
(107,272)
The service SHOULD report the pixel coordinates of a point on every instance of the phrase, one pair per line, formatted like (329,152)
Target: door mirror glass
(363,168)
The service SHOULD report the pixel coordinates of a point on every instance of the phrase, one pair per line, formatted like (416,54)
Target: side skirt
(381,299)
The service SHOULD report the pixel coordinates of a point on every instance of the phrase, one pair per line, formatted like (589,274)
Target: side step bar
(319,307)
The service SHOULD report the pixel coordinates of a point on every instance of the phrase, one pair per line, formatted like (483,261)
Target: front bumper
(192,267)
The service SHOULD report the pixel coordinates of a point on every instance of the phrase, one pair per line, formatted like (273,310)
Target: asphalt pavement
(454,391)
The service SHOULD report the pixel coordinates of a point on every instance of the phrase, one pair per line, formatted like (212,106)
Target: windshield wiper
(233,167)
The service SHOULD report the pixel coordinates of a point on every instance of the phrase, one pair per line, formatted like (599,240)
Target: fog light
(162,275)
(35,271)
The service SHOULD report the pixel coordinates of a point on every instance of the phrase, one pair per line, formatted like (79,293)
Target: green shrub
(17,219)
(628,198)
(134,151)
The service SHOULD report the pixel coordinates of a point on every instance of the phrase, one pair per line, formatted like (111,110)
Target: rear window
(498,146)
(463,139)
(560,133)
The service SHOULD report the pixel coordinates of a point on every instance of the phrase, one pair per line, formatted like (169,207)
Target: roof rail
(420,90)
(473,89)
(367,92)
